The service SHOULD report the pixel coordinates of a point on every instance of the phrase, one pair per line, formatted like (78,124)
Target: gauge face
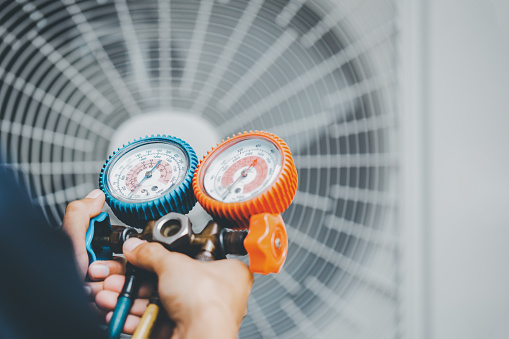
(147,171)
(248,174)
(242,170)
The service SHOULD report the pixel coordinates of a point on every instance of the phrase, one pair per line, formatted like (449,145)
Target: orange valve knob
(249,173)
(266,243)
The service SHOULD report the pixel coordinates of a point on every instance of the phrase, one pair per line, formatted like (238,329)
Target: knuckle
(244,269)
(240,270)
(238,265)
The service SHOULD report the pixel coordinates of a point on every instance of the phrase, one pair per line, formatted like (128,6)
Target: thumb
(76,219)
(150,256)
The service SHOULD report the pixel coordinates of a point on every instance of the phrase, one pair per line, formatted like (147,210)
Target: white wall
(467,135)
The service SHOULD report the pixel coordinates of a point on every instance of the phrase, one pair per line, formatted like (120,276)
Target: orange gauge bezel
(275,199)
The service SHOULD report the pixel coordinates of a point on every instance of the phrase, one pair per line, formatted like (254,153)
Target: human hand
(107,298)
(203,299)
(76,220)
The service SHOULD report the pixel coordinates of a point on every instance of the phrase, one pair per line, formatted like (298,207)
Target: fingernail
(99,271)
(94,194)
(88,290)
(132,243)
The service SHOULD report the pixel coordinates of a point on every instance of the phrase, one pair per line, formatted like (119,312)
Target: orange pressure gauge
(249,173)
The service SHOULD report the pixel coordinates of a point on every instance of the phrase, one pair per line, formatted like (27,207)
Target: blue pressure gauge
(149,178)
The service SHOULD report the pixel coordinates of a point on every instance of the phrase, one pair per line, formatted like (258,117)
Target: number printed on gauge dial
(243,170)
(147,172)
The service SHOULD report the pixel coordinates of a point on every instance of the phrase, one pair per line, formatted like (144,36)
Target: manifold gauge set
(244,184)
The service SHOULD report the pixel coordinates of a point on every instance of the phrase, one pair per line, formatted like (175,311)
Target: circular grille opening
(318,74)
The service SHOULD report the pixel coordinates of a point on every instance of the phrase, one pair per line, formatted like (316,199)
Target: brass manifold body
(174,231)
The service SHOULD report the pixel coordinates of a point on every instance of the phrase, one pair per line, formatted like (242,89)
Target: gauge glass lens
(243,170)
(147,172)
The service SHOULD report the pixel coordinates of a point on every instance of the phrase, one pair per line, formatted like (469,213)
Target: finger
(76,219)
(101,269)
(152,256)
(107,300)
(240,269)
(130,325)
(115,283)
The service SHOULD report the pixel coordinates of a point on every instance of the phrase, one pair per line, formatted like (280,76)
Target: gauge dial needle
(243,174)
(148,174)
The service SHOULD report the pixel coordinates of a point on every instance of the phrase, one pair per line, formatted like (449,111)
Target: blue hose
(133,277)
(119,316)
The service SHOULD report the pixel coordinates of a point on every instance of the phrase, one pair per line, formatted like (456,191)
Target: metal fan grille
(319,74)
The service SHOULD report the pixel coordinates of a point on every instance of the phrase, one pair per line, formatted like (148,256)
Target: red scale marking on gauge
(166,172)
(132,177)
(255,162)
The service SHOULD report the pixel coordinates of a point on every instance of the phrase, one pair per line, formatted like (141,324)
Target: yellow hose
(147,322)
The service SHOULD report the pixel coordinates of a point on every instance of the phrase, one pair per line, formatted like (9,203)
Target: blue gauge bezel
(181,199)
(129,148)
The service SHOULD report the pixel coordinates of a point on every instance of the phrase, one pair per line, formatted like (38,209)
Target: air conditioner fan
(79,77)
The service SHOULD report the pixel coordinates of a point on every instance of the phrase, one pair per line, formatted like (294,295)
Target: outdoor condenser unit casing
(395,111)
